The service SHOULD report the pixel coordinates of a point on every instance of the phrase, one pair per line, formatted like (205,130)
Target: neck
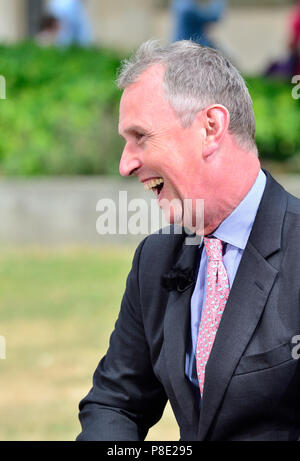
(236,183)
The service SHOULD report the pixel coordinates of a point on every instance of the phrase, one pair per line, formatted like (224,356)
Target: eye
(140,137)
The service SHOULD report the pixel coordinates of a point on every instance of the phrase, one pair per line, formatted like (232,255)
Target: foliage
(61,112)
(278,118)
(60,115)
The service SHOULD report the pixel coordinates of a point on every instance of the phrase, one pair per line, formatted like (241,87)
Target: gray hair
(196,77)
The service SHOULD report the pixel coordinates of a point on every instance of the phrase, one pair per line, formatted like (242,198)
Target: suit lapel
(252,285)
(244,308)
(176,330)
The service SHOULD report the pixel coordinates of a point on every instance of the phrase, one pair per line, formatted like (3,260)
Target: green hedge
(277,116)
(61,112)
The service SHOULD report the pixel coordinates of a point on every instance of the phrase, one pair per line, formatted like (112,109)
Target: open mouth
(156,185)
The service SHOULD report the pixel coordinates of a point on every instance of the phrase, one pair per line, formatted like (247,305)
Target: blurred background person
(48,31)
(192,19)
(290,64)
(74,25)
(295,38)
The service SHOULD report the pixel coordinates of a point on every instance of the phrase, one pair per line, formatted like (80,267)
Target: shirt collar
(236,228)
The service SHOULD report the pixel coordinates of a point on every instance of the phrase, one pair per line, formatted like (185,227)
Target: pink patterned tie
(217,292)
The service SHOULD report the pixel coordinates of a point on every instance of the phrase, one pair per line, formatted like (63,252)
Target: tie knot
(214,248)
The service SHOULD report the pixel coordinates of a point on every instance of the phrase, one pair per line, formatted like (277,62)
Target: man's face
(159,150)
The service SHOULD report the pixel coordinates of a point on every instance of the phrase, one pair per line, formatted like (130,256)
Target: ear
(215,119)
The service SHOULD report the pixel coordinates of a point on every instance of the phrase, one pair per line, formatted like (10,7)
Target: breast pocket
(264,360)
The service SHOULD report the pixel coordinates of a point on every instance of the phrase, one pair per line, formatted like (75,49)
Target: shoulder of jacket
(293,204)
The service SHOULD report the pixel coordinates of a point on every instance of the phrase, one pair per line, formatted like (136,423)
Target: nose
(129,162)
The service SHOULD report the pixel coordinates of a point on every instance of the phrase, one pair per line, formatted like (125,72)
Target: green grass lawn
(57,310)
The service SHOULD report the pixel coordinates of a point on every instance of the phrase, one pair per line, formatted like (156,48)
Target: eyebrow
(134,129)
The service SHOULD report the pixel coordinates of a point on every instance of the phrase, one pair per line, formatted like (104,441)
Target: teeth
(153,183)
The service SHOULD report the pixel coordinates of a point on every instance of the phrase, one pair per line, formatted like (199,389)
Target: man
(294,42)
(193,18)
(74,25)
(211,328)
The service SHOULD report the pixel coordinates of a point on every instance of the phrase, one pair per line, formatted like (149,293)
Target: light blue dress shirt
(234,231)
(74,23)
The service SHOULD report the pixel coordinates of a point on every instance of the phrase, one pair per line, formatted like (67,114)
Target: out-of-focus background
(61,282)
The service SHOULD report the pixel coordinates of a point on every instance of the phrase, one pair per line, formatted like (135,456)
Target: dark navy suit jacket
(252,379)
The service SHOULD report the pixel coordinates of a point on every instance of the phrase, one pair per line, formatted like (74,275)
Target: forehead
(144,103)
